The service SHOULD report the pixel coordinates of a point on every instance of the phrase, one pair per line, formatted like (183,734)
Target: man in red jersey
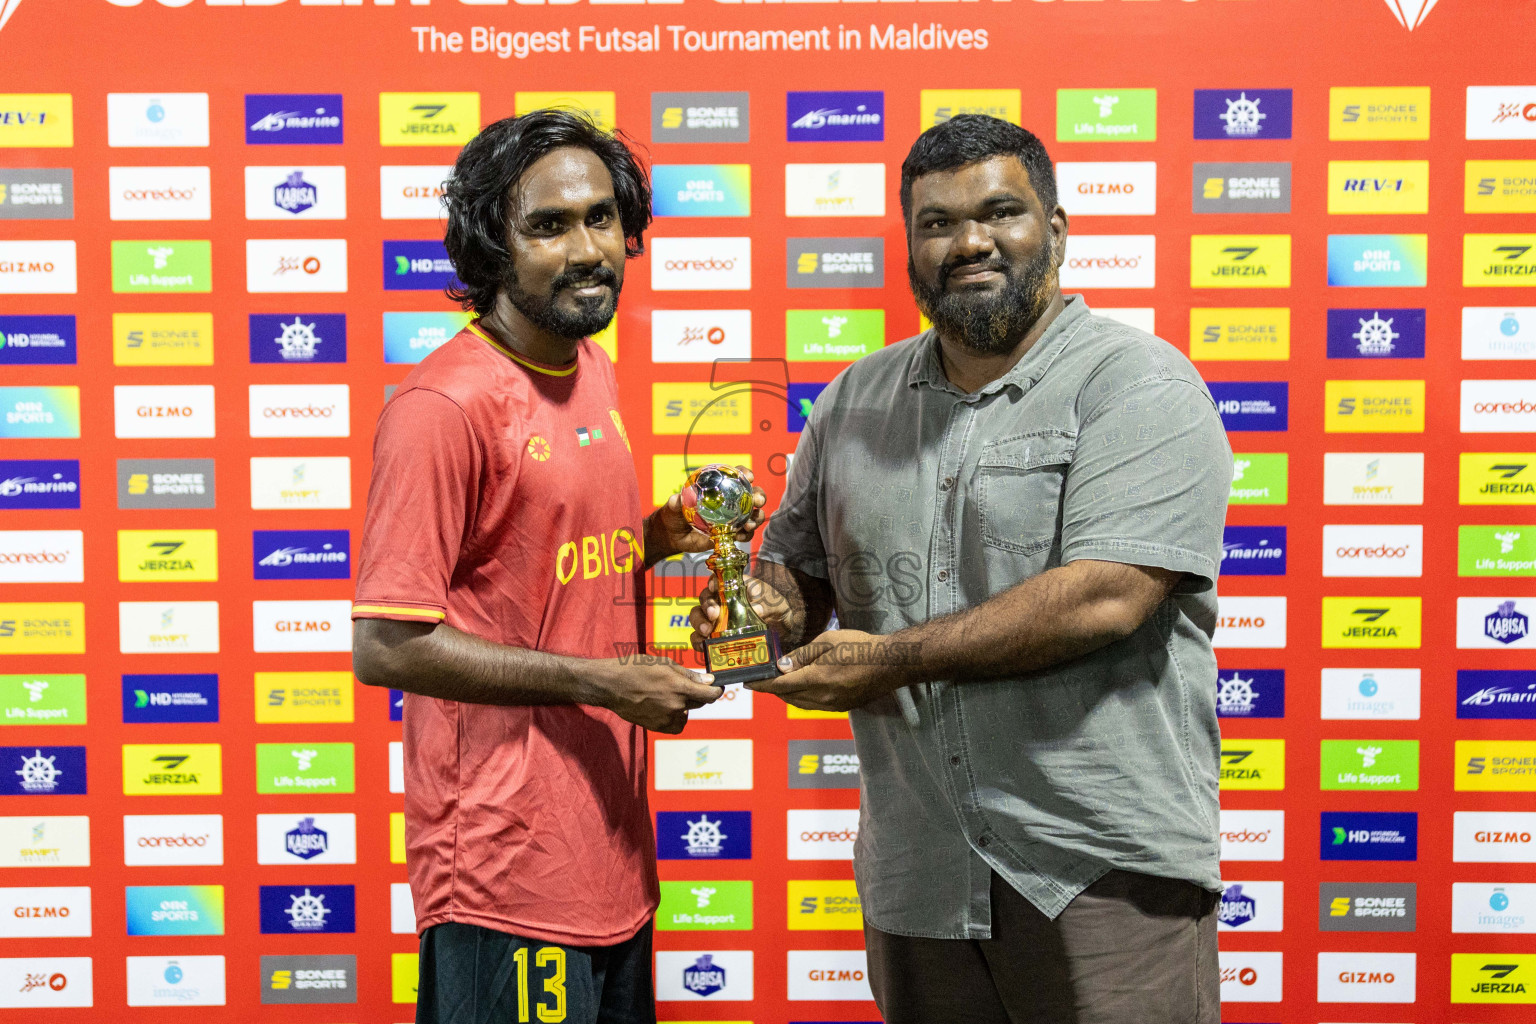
(500,558)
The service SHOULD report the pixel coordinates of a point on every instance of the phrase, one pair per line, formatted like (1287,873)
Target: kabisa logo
(1502,694)
(1242,113)
(39,483)
(1376,333)
(1237,908)
(1250,693)
(170,698)
(310,910)
(417,266)
(302,554)
(295,195)
(700,117)
(1410,13)
(835,116)
(305,840)
(1369,835)
(704,835)
(1253,551)
(704,977)
(41,771)
(1506,624)
(298,337)
(1252,405)
(313,119)
(37,340)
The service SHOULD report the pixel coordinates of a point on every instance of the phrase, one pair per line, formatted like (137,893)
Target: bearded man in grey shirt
(1017,517)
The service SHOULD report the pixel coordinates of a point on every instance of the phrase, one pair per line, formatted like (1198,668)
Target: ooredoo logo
(1110,261)
(1252,835)
(1497,406)
(822,834)
(159,193)
(173,839)
(41,556)
(300,410)
(1379,550)
(701,264)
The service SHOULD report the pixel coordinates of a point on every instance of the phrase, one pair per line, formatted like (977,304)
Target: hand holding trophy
(716,501)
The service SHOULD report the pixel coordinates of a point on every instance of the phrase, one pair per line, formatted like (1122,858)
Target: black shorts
(475,975)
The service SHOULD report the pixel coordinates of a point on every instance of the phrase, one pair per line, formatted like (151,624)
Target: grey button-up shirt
(916,500)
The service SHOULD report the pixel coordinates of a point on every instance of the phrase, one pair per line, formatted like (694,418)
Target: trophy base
(743,657)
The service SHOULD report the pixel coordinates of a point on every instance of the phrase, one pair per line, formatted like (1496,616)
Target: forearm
(808,602)
(1044,621)
(440,661)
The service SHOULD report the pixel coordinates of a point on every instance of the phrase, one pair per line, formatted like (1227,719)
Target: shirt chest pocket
(1018,487)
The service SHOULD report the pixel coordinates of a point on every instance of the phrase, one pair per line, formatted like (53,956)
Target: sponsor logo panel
(1252,334)
(1495,694)
(1251,977)
(1253,551)
(45,912)
(1252,835)
(301,483)
(1501,112)
(417,266)
(1242,113)
(402,916)
(1252,764)
(45,841)
(411,337)
(1493,623)
(1497,478)
(1372,622)
(304,768)
(42,556)
(701,117)
(1507,909)
(1373,406)
(1498,332)
(155,119)
(1496,766)
(1500,186)
(295,265)
(37,120)
(704,835)
(1378,550)
(1498,261)
(835,116)
(412,191)
(1370,693)
(162,267)
(1252,405)
(302,554)
(822,834)
(832,335)
(700,335)
(1369,764)
(1376,333)
(288,192)
(163,410)
(936,106)
(1371,113)
(1260,478)
(39,483)
(1250,622)
(823,764)
(37,341)
(1250,693)
(1110,261)
(302,626)
(175,909)
(172,839)
(1373,478)
(37,268)
(49,411)
(182,769)
(159,193)
(162,339)
(1367,907)
(146,556)
(1378,261)
(304,697)
(701,264)
(176,981)
(307,910)
(1369,835)
(1106,115)
(705,906)
(696,408)
(834,190)
(42,771)
(279,119)
(165,627)
(1493,978)
(300,410)
(45,982)
(1242,188)
(36,193)
(835,263)
(180,697)
(1240,261)
(309,979)
(304,838)
(42,627)
(1367,977)
(1378,186)
(718,975)
(1498,406)
(428,118)
(829,974)
(831,905)
(1494,837)
(712,764)
(1251,907)
(1127,188)
(701,190)
(299,337)
(165,483)
(597,107)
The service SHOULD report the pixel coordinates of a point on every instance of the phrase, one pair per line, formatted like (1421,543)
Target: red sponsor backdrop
(89,48)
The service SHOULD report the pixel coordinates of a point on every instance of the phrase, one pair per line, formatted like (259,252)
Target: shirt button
(983,841)
(949,482)
(943,575)
(954,759)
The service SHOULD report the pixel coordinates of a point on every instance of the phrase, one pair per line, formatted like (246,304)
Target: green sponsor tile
(1370,764)
(832,335)
(1106,115)
(1496,551)
(42,699)
(304,768)
(1260,478)
(176,265)
(705,907)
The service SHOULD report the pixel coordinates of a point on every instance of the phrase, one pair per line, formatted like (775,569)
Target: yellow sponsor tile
(1498,261)
(1378,112)
(1254,334)
(1493,978)
(1378,186)
(939,105)
(162,339)
(1497,478)
(1240,261)
(607,339)
(158,556)
(801,713)
(1373,407)
(428,118)
(699,408)
(397,837)
(42,627)
(1496,766)
(598,107)
(1372,622)
(1252,764)
(37,120)
(670,472)
(1500,186)
(404,970)
(824,905)
(304,697)
(172,769)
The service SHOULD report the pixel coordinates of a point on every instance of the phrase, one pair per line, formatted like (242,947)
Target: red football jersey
(504,503)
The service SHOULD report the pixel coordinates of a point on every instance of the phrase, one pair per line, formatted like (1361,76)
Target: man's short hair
(476,193)
(968,138)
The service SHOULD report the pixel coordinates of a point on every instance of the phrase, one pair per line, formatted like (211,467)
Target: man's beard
(988,323)
(591,314)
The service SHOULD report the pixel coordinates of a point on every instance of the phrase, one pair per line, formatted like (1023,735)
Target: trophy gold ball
(717,501)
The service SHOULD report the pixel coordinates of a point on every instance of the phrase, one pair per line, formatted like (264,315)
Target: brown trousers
(1130,949)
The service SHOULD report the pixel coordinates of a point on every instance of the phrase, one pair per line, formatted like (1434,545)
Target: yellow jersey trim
(384,609)
(535,367)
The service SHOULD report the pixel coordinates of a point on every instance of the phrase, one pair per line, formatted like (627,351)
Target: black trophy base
(742,657)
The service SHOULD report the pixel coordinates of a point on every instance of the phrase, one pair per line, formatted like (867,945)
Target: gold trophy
(717,500)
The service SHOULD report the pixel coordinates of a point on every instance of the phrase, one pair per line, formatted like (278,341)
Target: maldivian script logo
(41,193)
(1242,113)
(180,697)
(274,265)
(1501,112)
(1251,977)
(35,120)
(700,117)
(1378,112)
(41,771)
(428,118)
(311,119)
(835,116)
(701,190)
(1376,333)
(1240,261)
(1106,115)
(1388,622)
(46,982)
(1122,188)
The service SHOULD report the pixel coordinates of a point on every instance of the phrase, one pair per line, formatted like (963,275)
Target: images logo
(1242,188)
(1106,115)
(35,120)
(1378,186)
(1377,261)
(165,483)
(705,906)
(310,910)
(1242,113)
(1260,478)
(428,118)
(41,193)
(170,698)
(183,769)
(1252,405)
(1498,261)
(835,116)
(1372,113)
(834,335)
(1484,907)
(1369,835)
(1376,334)
(1252,764)
(39,483)
(136,119)
(311,119)
(701,190)
(1240,261)
(175,909)
(41,771)
(308,265)
(309,979)
(176,981)
(700,117)
(1250,693)
(1374,406)
(1253,551)
(1386,622)
(37,268)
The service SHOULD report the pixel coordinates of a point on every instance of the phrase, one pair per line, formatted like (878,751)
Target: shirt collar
(927,368)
